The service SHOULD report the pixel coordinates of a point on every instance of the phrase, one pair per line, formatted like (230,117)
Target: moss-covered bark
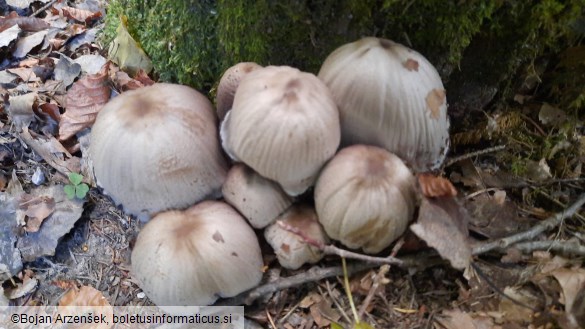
(477,45)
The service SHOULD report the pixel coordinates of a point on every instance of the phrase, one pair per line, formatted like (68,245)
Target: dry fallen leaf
(21,109)
(571,281)
(37,209)
(127,53)
(84,100)
(457,319)
(83,16)
(86,300)
(432,186)
(442,224)
(45,240)
(26,44)
(29,24)
(9,35)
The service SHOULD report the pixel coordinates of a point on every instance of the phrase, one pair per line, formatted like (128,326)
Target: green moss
(193,42)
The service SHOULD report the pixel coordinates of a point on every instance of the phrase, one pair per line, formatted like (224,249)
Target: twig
(547,224)
(311,275)
(379,279)
(333,250)
(473,154)
(571,247)
(43,8)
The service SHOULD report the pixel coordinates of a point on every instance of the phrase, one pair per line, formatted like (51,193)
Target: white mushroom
(260,200)
(230,80)
(284,125)
(291,249)
(193,257)
(365,197)
(156,148)
(389,96)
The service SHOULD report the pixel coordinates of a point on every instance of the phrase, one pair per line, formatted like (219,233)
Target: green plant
(76,189)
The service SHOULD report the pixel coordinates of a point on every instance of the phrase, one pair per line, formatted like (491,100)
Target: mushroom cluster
(157,151)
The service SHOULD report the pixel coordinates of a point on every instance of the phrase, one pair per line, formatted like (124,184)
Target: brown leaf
(143,77)
(432,186)
(37,209)
(442,224)
(84,100)
(456,319)
(21,109)
(494,217)
(571,281)
(85,296)
(86,300)
(25,73)
(80,15)
(28,24)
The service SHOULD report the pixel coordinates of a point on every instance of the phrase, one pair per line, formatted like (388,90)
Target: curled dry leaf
(80,15)
(84,100)
(45,240)
(432,186)
(442,224)
(37,209)
(571,281)
(26,44)
(86,300)
(21,109)
(29,24)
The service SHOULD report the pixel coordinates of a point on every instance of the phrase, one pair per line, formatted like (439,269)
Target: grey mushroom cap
(284,125)
(193,257)
(156,148)
(258,199)
(392,97)
(365,197)
(228,84)
(290,248)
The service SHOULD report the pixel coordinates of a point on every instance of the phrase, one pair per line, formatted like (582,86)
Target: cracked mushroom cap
(230,80)
(389,96)
(260,200)
(193,257)
(290,248)
(365,197)
(156,148)
(284,125)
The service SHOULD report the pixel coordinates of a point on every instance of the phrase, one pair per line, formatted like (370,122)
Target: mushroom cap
(228,84)
(292,252)
(389,96)
(365,197)
(284,125)
(192,257)
(156,148)
(260,200)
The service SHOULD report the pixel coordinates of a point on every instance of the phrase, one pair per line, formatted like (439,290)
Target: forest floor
(523,226)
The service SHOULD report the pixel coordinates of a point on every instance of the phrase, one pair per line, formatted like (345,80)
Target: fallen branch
(318,273)
(543,226)
(571,247)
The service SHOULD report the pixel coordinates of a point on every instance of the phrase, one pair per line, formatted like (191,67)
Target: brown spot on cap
(285,248)
(218,237)
(435,99)
(235,254)
(411,65)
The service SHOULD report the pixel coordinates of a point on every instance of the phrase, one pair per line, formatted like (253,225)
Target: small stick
(473,154)
(43,8)
(544,225)
(379,279)
(333,250)
(571,247)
